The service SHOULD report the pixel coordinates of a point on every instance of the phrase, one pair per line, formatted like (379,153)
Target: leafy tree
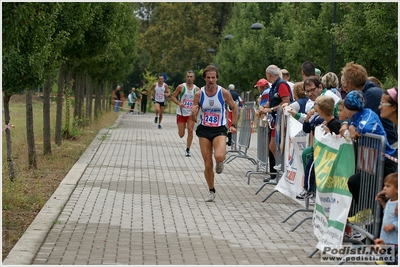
(180,33)
(243,59)
(27,50)
(368,35)
(75,20)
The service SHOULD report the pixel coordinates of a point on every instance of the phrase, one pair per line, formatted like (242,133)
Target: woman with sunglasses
(388,105)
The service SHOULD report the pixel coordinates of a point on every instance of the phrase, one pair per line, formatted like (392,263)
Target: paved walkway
(134,199)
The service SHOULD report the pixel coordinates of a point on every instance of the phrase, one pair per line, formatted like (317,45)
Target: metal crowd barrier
(279,160)
(244,134)
(282,124)
(263,153)
(370,162)
(305,209)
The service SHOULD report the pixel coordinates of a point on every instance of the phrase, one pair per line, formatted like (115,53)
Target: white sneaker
(277,167)
(311,201)
(211,197)
(219,168)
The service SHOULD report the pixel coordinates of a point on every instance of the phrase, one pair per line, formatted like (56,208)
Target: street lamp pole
(211,51)
(227,38)
(333,39)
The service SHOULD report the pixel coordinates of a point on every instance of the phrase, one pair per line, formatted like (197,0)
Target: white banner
(291,182)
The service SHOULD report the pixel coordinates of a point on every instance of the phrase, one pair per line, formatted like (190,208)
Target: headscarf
(354,100)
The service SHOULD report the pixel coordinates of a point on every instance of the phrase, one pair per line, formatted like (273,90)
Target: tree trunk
(81,118)
(46,117)
(68,94)
(97,100)
(10,160)
(60,95)
(100,87)
(89,101)
(75,88)
(29,131)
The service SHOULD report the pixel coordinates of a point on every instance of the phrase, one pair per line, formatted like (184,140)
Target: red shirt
(284,90)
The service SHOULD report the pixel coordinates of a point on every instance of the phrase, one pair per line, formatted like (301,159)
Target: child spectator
(389,230)
(342,115)
(325,106)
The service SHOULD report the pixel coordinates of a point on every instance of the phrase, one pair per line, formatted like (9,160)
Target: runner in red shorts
(183,97)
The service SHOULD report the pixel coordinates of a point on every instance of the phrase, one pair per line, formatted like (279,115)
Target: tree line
(291,33)
(86,47)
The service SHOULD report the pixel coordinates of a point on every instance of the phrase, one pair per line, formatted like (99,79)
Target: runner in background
(161,91)
(183,97)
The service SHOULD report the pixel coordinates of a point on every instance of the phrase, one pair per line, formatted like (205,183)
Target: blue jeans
(116,106)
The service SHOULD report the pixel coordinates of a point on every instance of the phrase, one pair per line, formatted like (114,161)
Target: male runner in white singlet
(183,97)
(161,91)
(212,129)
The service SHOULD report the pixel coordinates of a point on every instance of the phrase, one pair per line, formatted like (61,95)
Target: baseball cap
(262,82)
(318,72)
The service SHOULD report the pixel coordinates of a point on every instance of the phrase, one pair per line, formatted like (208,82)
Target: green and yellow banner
(334,163)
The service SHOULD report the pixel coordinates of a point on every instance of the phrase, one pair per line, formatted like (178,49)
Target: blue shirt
(367,121)
(390,217)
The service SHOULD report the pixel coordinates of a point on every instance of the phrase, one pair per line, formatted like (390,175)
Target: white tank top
(159,91)
(186,97)
(212,108)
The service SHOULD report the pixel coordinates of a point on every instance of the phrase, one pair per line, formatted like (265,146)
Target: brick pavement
(135,199)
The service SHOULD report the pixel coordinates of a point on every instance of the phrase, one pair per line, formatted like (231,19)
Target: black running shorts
(211,132)
(162,104)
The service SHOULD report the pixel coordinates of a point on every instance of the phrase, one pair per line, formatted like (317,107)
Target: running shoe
(271,178)
(219,168)
(278,167)
(353,235)
(211,197)
(187,154)
(302,194)
(155,119)
(159,126)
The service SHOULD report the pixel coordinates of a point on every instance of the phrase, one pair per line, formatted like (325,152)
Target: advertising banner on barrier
(291,182)
(334,163)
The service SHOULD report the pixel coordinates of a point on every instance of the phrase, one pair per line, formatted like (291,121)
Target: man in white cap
(286,77)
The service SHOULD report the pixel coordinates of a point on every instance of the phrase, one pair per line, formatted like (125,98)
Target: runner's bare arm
(195,108)
(175,94)
(151,91)
(167,93)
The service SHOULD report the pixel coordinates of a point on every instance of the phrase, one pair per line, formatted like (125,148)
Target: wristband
(234,125)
